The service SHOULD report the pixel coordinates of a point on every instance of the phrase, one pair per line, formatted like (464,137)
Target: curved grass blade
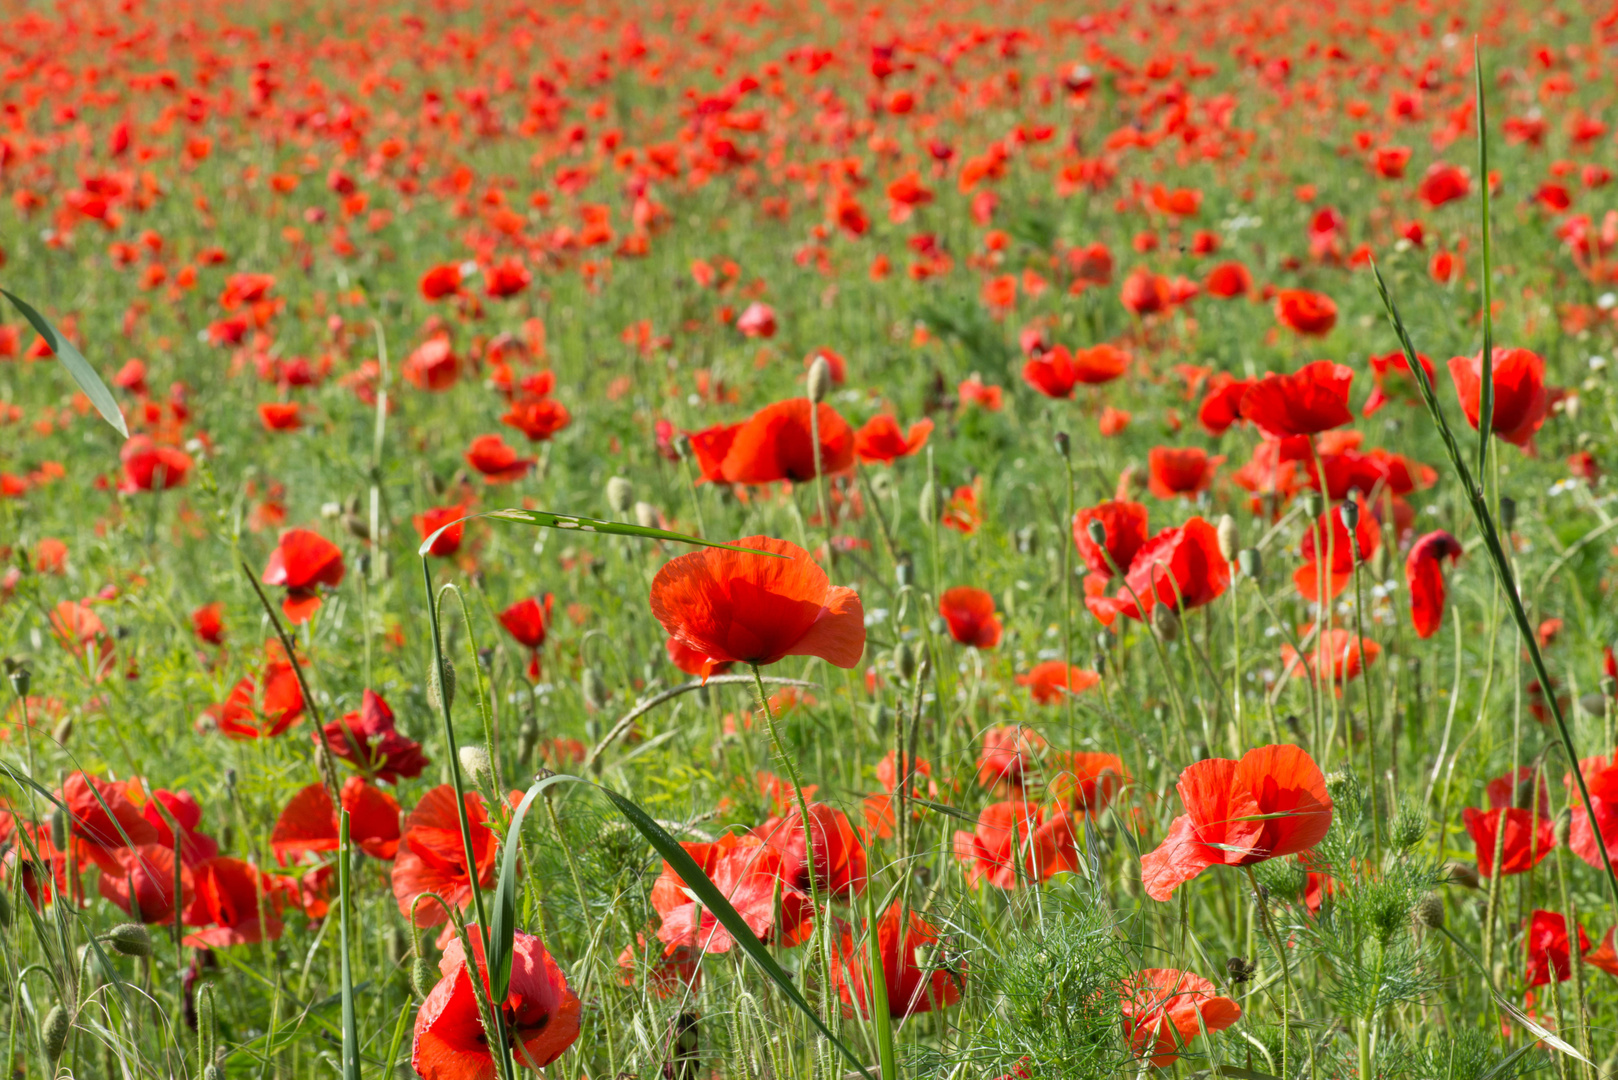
(708,894)
(503,922)
(544,519)
(77,366)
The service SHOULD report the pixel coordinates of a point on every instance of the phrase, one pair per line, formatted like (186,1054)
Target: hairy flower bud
(928,506)
(131,939)
(1462,874)
(53,1032)
(1562,827)
(819,379)
(63,731)
(1230,540)
(447,698)
(620,494)
(1166,621)
(1098,534)
(594,688)
(646,515)
(1429,911)
(1064,445)
(422,977)
(904,661)
(1250,562)
(475,761)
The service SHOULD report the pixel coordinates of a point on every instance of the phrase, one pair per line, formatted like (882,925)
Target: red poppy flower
(1340,656)
(1179,567)
(1014,844)
(970,615)
(1310,314)
(143,884)
(973,391)
(280,416)
(1520,398)
(839,858)
(1390,161)
(195,847)
(1007,755)
(911,989)
(309,822)
(506,278)
(1228,281)
(431,858)
(1549,949)
(1165,1009)
(735,607)
(226,902)
(149,466)
(1125,524)
(99,831)
(537,418)
(540,1013)
(383,751)
(528,622)
(1305,402)
(710,447)
(1529,838)
(496,460)
(1180,471)
(1444,183)
(879,439)
(1601,777)
(691,661)
(248,713)
(1424,576)
(303,561)
(441,281)
(1087,781)
(208,623)
(776,444)
(1145,293)
(432,365)
(1048,682)
(1327,538)
(757,321)
(1392,375)
(1272,802)
(749,874)
(430,521)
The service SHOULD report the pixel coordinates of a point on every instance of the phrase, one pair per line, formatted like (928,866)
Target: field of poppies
(763,540)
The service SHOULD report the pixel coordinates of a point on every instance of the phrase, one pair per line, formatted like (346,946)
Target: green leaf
(574,523)
(708,894)
(503,922)
(77,366)
(877,979)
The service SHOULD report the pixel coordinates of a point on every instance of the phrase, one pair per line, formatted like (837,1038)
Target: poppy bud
(937,625)
(475,761)
(1230,541)
(1063,443)
(646,515)
(1609,686)
(21,674)
(1166,621)
(904,661)
(1098,533)
(1350,512)
(1313,504)
(421,977)
(1430,911)
(620,494)
(63,731)
(58,829)
(594,688)
(682,446)
(1462,874)
(1563,825)
(446,700)
(819,380)
(1508,512)
(53,1032)
(1593,704)
(928,507)
(357,525)
(1250,562)
(904,572)
(131,939)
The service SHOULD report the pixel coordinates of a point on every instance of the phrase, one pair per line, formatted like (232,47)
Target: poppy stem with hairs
(1486,387)
(1064,448)
(326,766)
(1370,715)
(1286,969)
(379,561)
(1497,556)
(498,1035)
(820,482)
(351,1040)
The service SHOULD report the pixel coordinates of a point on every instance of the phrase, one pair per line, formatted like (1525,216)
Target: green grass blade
(877,977)
(574,523)
(503,921)
(77,366)
(1486,390)
(351,1037)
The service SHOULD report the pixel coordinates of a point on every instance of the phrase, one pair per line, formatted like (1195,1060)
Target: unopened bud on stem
(620,494)
(1230,541)
(819,379)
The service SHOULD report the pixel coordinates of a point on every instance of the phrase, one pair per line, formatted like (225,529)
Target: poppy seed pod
(1230,541)
(819,380)
(53,1032)
(1166,621)
(21,674)
(446,700)
(1350,511)
(646,515)
(131,939)
(1250,562)
(620,494)
(1064,445)
(1098,534)
(1430,911)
